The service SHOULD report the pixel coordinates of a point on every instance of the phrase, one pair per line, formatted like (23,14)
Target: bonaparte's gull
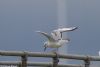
(51,42)
(55,40)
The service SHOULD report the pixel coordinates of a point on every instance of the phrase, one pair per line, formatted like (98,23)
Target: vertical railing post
(87,62)
(55,60)
(24,60)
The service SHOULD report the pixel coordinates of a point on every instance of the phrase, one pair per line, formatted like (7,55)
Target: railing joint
(24,59)
(55,60)
(87,62)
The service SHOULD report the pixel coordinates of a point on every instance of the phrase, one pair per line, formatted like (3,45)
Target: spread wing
(57,34)
(46,35)
(66,29)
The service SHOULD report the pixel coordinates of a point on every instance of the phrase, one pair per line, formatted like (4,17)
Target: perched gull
(51,42)
(57,34)
(55,40)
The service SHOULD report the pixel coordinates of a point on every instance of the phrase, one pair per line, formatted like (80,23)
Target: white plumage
(55,40)
(51,42)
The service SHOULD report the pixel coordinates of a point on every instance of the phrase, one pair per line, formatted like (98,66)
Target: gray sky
(19,19)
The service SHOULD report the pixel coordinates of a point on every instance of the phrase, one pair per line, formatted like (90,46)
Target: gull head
(45,45)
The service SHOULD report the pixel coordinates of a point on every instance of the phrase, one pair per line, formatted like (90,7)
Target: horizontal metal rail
(17,63)
(51,54)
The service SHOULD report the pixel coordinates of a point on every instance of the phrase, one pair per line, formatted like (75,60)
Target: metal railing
(44,64)
(25,54)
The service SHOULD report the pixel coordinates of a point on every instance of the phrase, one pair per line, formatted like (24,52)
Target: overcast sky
(19,19)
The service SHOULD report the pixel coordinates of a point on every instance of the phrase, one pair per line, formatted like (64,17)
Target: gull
(57,34)
(51,42)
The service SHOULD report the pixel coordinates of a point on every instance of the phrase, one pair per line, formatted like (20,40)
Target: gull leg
(45,49)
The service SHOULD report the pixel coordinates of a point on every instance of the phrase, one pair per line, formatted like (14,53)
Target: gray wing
(45,34)
(57,34)
(67,29)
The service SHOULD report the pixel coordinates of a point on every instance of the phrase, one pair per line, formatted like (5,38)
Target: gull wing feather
(67,29)
(46,35)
